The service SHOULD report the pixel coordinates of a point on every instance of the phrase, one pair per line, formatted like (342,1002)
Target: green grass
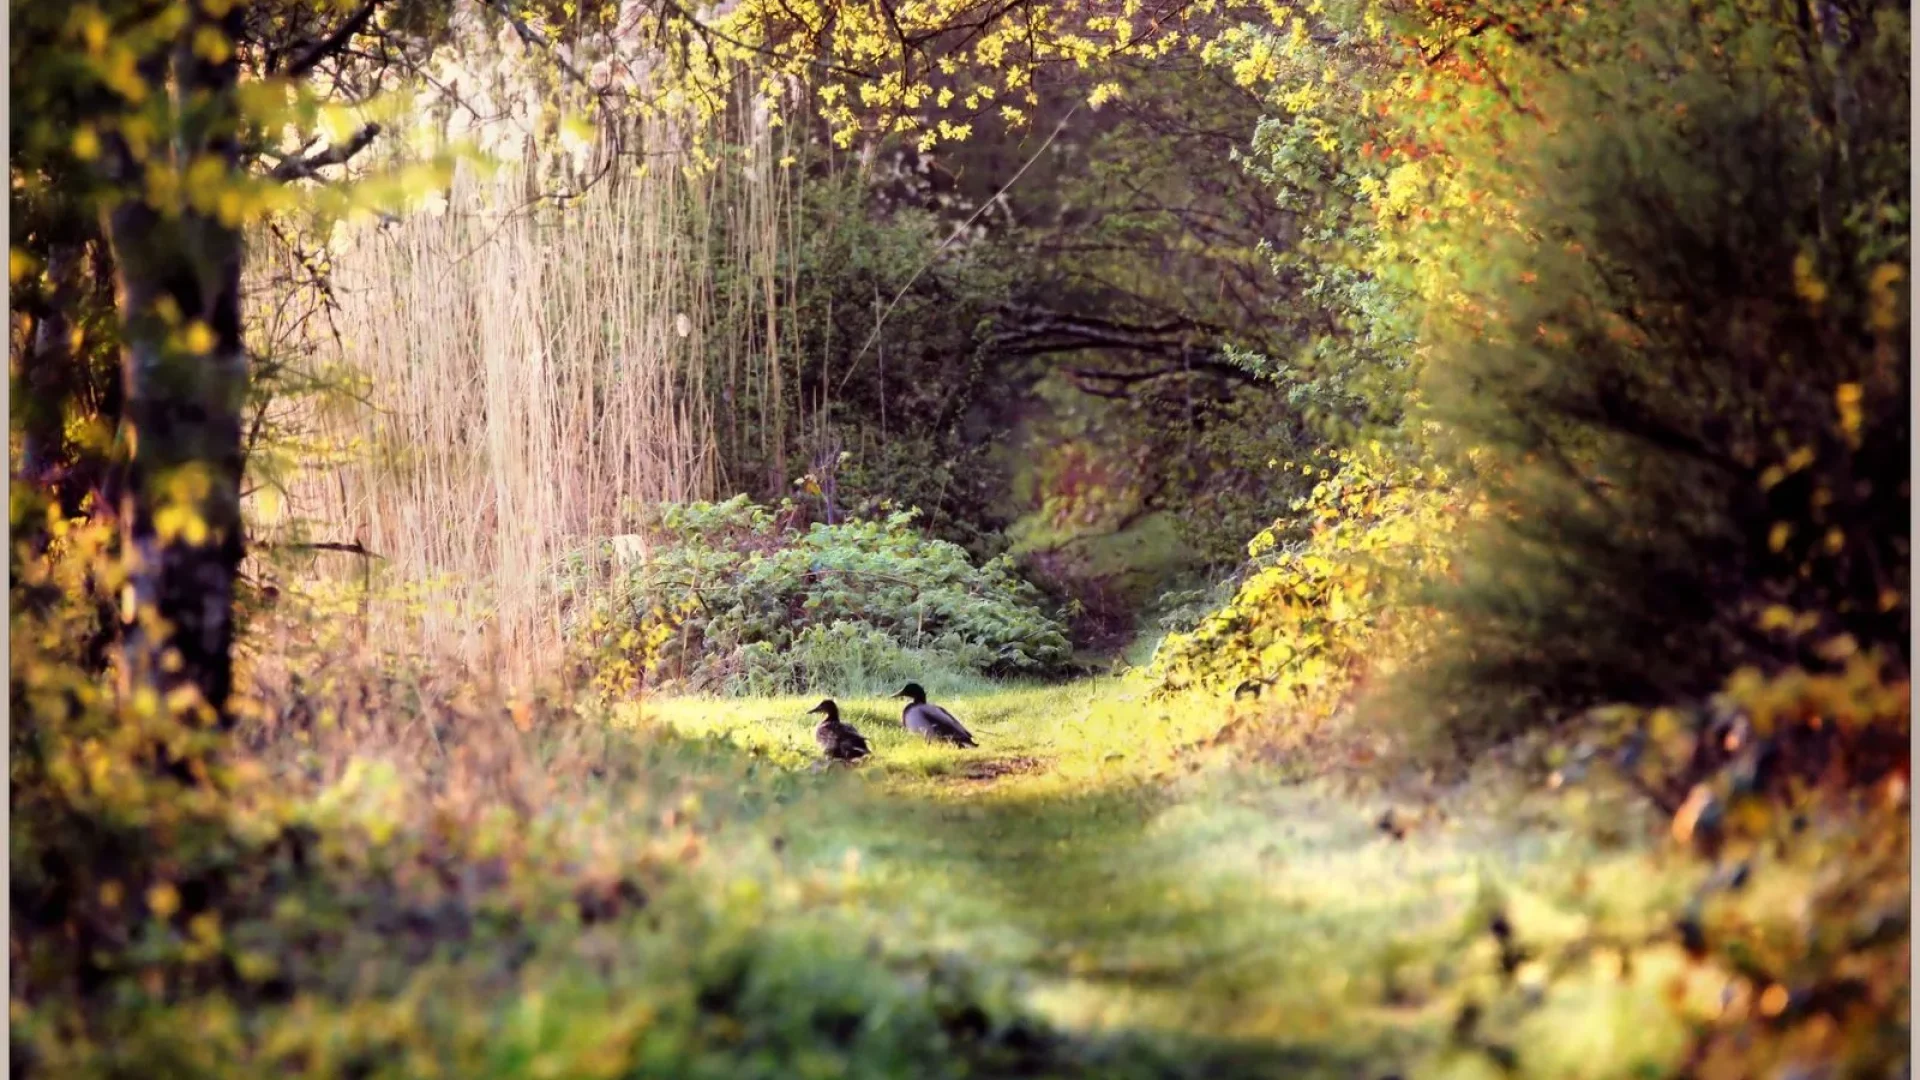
(1096,891)
(1129,890)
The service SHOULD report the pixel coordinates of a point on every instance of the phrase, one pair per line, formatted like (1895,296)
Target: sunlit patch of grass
(1138,889)
(1076,731)
(675,889)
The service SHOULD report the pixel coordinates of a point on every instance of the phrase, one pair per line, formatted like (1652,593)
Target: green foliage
(1792,952)
(875,415)
(749,598)
(1683,375)
(1321,153)
(1226,484)
(1325,599)
(955,480)
(300,904)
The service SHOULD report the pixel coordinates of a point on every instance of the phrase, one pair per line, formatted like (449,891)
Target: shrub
(741,597)
(373,880)
(1682,377)
(1313,611)
(1790,957)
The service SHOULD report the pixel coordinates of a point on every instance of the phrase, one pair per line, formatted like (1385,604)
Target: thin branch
(354,547)
(1474,31)
(709,34)
(951,237)
(534,40)
(333,42)
(305,168)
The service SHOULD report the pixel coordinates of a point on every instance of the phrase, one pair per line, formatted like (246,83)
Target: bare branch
(535,41)
(305,168)
(334,42)
(351,548)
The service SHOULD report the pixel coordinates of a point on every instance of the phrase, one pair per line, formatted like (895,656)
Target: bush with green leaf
(741,597)
(1683,372)
(1317,606)
(1637,281)
(368,878)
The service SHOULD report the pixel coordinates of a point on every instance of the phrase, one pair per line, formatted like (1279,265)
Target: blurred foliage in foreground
(1791,955)
(745,598)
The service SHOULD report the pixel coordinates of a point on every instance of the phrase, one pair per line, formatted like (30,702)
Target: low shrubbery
(1316,607)
(1790,955)
(386,870)
(745,598)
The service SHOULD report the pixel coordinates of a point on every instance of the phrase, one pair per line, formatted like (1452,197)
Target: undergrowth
(749,599)
(390,869)
(385,869)
(1329,594)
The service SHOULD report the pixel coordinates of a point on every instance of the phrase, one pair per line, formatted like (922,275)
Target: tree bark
(47,374)
(185,374)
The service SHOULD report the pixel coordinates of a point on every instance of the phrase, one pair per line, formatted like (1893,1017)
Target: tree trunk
(47,373)
(185,376)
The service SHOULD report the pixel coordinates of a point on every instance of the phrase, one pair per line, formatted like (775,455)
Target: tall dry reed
(536,375)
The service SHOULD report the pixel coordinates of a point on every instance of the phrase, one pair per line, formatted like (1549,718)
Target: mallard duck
(837,738)
(932,721)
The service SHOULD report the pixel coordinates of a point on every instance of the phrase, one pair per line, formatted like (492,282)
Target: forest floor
(1295,917)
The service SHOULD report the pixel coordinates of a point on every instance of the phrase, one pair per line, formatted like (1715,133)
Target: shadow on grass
(1070,891)
(410,949)
(1041,890)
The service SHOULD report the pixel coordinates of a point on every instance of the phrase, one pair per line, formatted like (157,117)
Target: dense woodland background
(439,428)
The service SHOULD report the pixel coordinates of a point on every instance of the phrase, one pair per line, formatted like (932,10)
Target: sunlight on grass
(1080,731)
(1136,890)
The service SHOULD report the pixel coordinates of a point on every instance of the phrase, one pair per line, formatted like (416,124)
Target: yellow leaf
(205,927)
(93,28)
(1846,401)
(163,900)
(1774,1001)
(1805,283)
(211,45)
(197,338)
(1884,305)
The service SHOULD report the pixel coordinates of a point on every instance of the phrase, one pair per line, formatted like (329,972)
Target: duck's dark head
(827,709)
(912,690)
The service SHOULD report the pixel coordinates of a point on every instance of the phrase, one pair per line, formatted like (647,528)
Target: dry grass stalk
(536,376)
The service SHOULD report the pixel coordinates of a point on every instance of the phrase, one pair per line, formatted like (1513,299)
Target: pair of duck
(840,742)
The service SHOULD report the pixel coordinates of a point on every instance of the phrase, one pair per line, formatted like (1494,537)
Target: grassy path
(1255,926)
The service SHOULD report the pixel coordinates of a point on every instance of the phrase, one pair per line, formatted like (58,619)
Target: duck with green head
(838,740)
(931,721)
